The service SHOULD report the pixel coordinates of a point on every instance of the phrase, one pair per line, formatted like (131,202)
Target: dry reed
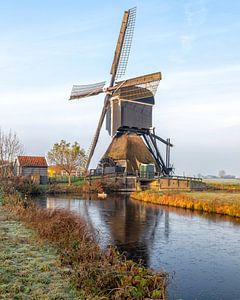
(220,203)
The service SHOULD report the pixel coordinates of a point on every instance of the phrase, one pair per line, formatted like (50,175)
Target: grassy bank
(96,185)
(74,188)
(29,269)
(211,202)
(26,187)
(96,274)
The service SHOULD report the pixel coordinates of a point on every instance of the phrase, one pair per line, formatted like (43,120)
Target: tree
(66,156)
(222,173)
(10,147)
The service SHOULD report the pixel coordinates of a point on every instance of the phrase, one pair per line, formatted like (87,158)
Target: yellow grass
(212,202)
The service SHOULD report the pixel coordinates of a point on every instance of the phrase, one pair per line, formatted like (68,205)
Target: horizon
(46,48)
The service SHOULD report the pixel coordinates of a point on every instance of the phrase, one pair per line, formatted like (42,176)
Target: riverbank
(212,202)
(96,274)
(26,187)
(29,269)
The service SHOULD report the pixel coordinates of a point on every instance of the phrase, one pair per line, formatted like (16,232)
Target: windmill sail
(118,68)
(97,133)
(82,91)
(138,88)
(124,43)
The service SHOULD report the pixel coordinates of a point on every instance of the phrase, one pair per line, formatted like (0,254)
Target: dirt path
(29,269)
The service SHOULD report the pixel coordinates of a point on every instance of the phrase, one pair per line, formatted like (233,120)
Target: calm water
(201,252)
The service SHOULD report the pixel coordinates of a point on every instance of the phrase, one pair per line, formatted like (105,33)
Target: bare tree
(10,147)
(222,173)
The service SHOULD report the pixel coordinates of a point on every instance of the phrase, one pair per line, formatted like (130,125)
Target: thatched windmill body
(128,110)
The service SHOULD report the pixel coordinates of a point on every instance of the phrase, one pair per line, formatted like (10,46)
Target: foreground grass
(29,269)
(96,274)
(212,202)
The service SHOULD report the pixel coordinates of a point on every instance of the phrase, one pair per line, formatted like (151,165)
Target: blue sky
(46,46)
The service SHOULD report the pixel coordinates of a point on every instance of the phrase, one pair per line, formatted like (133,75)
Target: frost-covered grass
(29,269)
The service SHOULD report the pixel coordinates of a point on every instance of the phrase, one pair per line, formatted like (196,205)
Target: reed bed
(211,202)
(95,273)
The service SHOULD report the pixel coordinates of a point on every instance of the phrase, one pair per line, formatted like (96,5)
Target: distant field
(231,185)
(223,181)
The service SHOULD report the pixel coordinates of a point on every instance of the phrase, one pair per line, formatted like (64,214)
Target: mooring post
(136,180)
(90,181)
(159,182)
(125,182)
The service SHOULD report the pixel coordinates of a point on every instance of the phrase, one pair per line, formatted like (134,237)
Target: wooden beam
(119,43)
(137,80)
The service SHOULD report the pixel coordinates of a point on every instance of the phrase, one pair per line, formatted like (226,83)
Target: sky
(47,46)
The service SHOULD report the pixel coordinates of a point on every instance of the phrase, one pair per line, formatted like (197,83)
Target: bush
(22,185)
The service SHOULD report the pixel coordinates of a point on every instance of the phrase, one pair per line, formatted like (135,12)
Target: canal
(201,252)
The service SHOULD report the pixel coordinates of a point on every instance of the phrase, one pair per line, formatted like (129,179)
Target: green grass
(29,269)
(64,179)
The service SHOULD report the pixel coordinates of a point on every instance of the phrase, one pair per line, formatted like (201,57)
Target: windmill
(127,107)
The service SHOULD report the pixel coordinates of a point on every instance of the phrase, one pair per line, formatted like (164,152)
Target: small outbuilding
(35,167)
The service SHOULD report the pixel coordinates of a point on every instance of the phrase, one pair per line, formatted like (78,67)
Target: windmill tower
(128,108)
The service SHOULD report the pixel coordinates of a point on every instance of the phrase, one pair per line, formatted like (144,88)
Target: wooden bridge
(122,183)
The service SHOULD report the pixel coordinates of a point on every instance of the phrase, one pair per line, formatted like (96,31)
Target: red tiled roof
(32,161)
